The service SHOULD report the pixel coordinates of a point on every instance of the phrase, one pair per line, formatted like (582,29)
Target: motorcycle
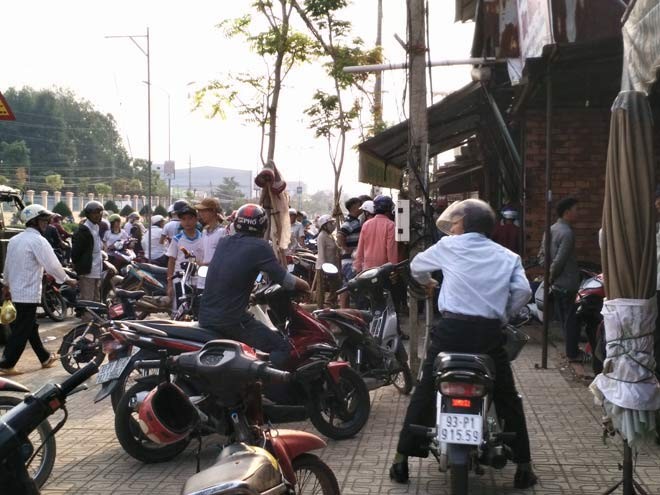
(16,426)
(82,343)
(228,377)
(588,317)
(371,340)
(468,433)
(337,403)
(302,264)
(52,301)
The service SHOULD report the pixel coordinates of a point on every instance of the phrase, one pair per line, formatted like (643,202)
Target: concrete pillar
(90,196)
(101,198)
(58,197)
(156,201)
(30,196)
(44,199)
(81,202)
(136,206)
(127,198)
(69,199)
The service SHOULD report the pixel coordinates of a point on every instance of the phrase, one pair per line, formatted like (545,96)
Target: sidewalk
(564,425)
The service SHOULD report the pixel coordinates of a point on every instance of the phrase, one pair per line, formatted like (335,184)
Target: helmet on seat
(251,219)
(166,415)
(383,204)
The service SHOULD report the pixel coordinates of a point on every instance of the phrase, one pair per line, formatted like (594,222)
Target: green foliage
(54,182)
(62,208)
(4,180)
(83,185)
(145,211)
(229,194)
(126,210)
(70,227)
(110,205)
(327,117)
(160,210)
(102,189)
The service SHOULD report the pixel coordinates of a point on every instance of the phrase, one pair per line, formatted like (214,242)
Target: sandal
(582,358)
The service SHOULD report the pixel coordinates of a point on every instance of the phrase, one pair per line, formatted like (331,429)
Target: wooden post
(417,138)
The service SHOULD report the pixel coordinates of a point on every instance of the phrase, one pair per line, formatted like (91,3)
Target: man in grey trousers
(565,274)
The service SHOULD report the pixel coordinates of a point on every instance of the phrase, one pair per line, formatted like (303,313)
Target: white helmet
(293,211)
(33,211)
(323,219)
(510,214)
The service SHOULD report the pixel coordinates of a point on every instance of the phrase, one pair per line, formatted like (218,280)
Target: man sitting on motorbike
(484,283)
(237,261)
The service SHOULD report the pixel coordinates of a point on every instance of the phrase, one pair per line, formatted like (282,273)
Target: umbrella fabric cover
(627,387)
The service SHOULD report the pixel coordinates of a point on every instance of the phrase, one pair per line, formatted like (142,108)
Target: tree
(145,211)
(229,193)
(54,182)
(160,210)
(330,116)
(4,181)
(83,185)
(62,208)
(257,96)
(103,189)
(135,186)
(120,186)
(15,155)
(110,205)
(126,210)
(21,176)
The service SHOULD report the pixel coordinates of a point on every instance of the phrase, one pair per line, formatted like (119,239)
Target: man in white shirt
(209,211)
(484,285)
(158,250)
(173,227)
(297,231)
(28,254)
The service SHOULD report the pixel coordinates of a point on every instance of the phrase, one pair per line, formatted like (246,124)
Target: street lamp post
(147,54)
(169,137)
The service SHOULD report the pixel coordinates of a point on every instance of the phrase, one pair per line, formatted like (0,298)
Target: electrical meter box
(402,219)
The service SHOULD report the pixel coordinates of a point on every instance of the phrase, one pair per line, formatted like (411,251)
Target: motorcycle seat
(185,330)
(93,305)
(251,468)
(446,361)
(129,294)
(344,314)
(148,267)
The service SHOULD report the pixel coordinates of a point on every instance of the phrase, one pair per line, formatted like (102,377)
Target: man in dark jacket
(86,252)
(565,274)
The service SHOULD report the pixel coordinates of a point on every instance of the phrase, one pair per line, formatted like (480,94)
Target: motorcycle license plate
(112,370)
(466,429)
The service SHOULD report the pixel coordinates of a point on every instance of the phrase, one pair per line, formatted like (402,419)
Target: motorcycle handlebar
(342,290)
(68,385)
(269,374)
(147,364)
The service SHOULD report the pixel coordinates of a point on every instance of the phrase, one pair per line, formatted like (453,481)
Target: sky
(63,44)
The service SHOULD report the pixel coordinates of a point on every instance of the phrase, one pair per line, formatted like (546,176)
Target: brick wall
(579,154)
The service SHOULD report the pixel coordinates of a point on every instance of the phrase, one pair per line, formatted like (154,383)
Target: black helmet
(93,206)
(181,207)
(251,219)
(383,204)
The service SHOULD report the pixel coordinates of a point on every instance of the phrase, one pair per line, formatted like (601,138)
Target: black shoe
(524,478)
(399,472)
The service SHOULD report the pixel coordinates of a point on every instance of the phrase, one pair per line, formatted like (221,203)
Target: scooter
(338,403)
(468,433)
(16,426)
(588,317)
(255,459)
(371,340)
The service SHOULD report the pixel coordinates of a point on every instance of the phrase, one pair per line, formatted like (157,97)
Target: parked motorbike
(371,340)
(82,343)
(41,441)
(589,302)
(52,302)
(468,434)
(337,403)
(227,376)
(122,253)
(302,264)
(17,450)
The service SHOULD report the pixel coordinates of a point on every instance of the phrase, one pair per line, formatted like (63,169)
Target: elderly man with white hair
(484,284)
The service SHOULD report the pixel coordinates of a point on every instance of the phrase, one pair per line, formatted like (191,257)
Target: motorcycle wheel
(130,436)
(313,476)
(42,465)
(403,381)
(53,305)
(344,416)
(80,346)
(458,479)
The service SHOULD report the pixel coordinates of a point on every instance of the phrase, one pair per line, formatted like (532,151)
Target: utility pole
(417,137)
(189,173)
(378,85)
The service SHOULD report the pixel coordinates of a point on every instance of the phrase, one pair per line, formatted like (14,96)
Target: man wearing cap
(347,240)
(367,210)
(297,231)
(158,256)
(209,213)
(86,252)
(28,255)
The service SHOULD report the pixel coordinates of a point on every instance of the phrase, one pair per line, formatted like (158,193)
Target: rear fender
(335,367)
(459,455)
(289,444)
(106,389)
(12,386)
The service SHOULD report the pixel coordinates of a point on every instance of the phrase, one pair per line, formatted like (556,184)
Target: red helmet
(166,415)
(251,219)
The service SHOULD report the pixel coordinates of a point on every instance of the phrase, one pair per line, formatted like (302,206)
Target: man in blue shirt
(237,261)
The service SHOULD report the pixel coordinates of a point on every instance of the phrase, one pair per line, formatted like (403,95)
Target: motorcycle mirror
(329,269)
(202,271)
